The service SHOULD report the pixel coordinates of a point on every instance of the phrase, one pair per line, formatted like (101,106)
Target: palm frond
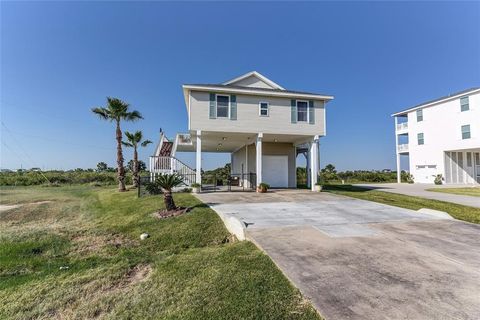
(102,113)
(130,137)
(169,181)
(132,116)
(127,144)
(145,143)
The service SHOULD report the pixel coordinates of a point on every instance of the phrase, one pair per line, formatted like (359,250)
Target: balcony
(402,148)
(402,127)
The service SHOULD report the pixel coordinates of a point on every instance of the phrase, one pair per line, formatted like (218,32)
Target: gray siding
(249,120)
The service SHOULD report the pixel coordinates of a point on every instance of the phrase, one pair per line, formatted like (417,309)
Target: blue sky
(59,59)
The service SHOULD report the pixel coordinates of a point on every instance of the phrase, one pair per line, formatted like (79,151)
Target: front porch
(255,158)
(462,166)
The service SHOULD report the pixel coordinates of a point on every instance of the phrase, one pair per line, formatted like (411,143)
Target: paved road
(419,190)
(356,259)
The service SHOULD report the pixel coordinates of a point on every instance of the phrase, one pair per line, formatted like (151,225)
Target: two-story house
(441,137)
(261,124)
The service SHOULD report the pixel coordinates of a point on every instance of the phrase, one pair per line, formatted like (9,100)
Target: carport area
(357,259)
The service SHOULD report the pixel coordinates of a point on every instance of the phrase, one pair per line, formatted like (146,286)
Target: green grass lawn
(462,191)
(79,256)
(457,211)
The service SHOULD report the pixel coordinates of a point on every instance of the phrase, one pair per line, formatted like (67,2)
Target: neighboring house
(261,124)
(441,137)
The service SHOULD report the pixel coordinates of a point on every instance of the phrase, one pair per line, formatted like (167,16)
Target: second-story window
(464,106)
(466,132)
(419,115)
(302,111)
(263,109)
(420,139)
(222,106)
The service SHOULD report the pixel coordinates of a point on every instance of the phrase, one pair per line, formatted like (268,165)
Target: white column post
(259,158)
(308,167)
(399,176)
(198,165)
(245,179)
(314,162)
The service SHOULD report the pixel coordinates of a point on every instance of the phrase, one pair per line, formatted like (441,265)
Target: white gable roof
(255,80)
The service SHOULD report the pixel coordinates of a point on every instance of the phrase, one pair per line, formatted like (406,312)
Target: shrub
(438,179)
(30,178)
(153,188)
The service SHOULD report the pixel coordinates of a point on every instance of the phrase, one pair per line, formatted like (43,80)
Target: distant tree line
(329,174)
(102,175)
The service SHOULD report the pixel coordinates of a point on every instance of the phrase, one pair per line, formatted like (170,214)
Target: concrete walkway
(357,259)
(419,190)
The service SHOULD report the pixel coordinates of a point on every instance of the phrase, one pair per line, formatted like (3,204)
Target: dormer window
(263,109)
(223,103)
(302,111)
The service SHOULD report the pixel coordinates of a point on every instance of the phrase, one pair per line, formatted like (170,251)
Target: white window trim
(308,111)
(468,103)
(216,106)
(423,139)
(416,115)
(469,131)
(260,109)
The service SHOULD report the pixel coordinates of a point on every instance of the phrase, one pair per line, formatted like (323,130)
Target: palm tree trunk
(168,200)
(120,168)
(136,178)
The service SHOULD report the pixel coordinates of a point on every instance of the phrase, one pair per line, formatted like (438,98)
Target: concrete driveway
(356,259)
(420,190)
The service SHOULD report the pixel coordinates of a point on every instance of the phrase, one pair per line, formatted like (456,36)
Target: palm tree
(133,139)
(167,182)
(116,111)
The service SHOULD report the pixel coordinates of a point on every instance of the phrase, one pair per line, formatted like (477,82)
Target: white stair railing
(163,165)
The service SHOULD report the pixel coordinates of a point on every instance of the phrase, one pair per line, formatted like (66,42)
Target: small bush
(153,188)
(438,179)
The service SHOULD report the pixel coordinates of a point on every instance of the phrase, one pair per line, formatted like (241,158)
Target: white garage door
(275,171)
(426,173)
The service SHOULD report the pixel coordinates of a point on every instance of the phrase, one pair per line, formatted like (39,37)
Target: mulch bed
(162,214)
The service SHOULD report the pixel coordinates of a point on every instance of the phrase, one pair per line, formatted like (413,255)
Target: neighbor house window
(466,131)
(464,106)
(469,159)
(263,109)
(419,115)
(420,139)
(222,106)
(302,111)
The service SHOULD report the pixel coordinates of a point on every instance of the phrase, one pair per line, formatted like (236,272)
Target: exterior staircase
(164,162)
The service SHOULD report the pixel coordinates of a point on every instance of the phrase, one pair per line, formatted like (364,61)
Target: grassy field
(457,211)
(462,191)
(75,253)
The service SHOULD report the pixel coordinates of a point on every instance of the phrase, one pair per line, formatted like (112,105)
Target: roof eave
(258,92)
(432,103)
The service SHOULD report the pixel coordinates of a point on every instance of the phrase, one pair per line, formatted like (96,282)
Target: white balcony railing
(402,147)
(402,126)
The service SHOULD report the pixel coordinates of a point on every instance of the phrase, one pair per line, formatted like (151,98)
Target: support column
(198,165)
(399,176)
(314,162)
(399,173)
(259,158)
(307,156)
(247,175)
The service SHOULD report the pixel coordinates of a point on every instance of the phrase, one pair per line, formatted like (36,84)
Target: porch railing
(402,126)
(163,165)
(402,147)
